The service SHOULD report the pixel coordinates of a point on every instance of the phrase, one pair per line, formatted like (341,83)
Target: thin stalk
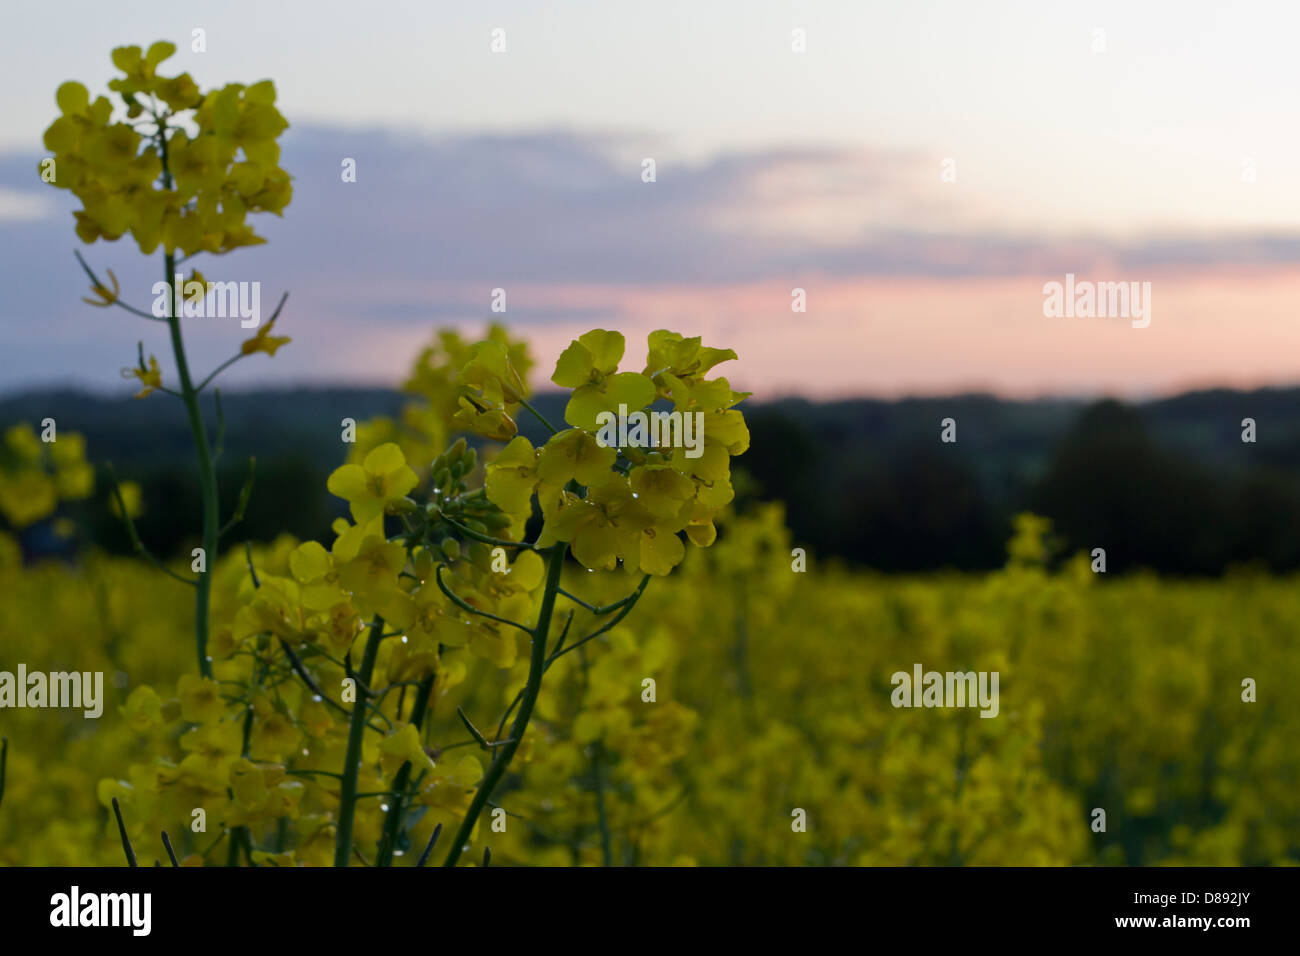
(602,817)
(136,543)
(424,857)
(207,473)
(536,666)
(628,604)
(207,481)
(121,831)
(352,761)
(539,416)
(598,779)
(487,538)
(240,834)
(393,822)
(171,854)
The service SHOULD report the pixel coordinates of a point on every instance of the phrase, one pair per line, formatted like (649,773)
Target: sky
(920,170)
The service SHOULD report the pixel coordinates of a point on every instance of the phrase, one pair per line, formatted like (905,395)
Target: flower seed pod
(480,555)
(423,562)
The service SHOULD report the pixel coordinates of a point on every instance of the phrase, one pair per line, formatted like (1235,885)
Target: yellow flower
(211,749)
(21,440)
(590,367)
(594,538)
(140,70)
(74,477)
(511,477)
(150,378)
(196,164)
(426,615)
(577,454)
(341,627)
(200,698)
(494,643)
(143,710)
(589,359)
(223,159)
(223,644)
(490,371)
(27,497)
(375,486)
(399,747)
(264,341)
(196,289)
(276,607)
(447,785)
(274,736)
(315,718)
(368,565)
(132,497)
(482,418)
(313,568)
(661,489)
(106,296)
(248,783)
(682,357)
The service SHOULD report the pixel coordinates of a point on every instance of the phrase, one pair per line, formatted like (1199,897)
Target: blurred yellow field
(771,695)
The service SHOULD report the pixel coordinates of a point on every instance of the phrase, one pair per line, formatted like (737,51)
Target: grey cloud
(551,208)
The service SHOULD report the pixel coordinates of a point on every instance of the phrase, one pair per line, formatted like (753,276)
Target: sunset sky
(1167,157)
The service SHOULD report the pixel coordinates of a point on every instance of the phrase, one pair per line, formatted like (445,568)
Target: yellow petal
(348,481)
(385,459)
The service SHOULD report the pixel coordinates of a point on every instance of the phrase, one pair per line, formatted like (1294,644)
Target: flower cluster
(258,747)
(181,167)
(636,500)
(427,580)
(440,403)
(35,475)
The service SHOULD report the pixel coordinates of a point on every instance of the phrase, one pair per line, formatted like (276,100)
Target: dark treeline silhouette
(1167,485)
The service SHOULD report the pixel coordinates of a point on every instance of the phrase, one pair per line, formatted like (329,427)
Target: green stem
(352,761)
(539,416)
(487,538)
(598,779)
(393,822)
(136,543)
(121,831)
(207,474)
(602,817)
(536,666)
(239,834)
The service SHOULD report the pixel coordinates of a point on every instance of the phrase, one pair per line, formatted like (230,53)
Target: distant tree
(1109,485)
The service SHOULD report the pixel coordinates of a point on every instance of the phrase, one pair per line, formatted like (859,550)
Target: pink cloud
(891,337)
